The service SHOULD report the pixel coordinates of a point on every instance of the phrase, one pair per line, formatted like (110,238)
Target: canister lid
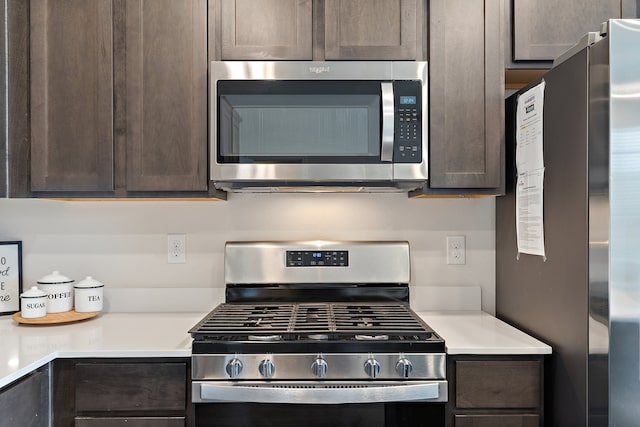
(88,282)
(54,278)
(34,292)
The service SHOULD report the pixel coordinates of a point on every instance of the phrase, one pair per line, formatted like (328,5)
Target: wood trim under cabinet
(516,79)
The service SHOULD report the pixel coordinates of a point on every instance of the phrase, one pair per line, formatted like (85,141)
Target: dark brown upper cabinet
(373,30)
(118,88)
(118,94)
(318,30)
(71,67)
(165,93)
(466,85)
(544,29)
(265,29)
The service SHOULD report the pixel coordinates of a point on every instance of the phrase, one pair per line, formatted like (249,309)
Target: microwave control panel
(408,121)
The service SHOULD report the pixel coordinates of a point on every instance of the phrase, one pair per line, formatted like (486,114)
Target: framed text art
(10,277)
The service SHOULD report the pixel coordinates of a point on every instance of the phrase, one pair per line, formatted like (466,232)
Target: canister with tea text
(88,295)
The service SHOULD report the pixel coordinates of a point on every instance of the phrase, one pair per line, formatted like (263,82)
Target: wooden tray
(55,318)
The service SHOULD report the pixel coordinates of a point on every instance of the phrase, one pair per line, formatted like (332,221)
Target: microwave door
(388,120)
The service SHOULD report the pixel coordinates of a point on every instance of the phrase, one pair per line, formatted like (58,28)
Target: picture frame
(10,276)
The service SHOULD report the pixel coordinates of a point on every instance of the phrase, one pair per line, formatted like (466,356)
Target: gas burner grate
(249,320)
(312,321)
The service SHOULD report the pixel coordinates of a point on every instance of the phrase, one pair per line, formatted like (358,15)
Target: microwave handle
(388,110)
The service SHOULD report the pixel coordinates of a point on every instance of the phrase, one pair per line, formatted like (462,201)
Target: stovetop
(302,327)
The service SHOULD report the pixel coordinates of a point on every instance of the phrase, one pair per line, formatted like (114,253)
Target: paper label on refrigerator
(530,170)
(530,213)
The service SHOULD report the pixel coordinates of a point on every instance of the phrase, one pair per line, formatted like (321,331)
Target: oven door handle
(388,110)
(433,391)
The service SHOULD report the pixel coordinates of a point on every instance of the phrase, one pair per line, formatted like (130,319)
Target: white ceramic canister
(33,303)
(59,291)
(88,295)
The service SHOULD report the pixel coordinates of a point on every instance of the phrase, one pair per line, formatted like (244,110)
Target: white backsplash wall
(123,244)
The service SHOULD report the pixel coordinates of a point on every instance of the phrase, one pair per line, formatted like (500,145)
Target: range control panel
(317,258)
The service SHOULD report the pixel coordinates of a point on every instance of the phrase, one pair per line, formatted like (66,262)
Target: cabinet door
(526,420)
(121,392)
(543,29)
(130,422)
(131,387)
(26,403)
(466,79)
(266,29)
(371,29)
(71,95)
(166,95)
(497,384)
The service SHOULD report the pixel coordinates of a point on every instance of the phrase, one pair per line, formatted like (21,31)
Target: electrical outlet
(176,249)
(456,250)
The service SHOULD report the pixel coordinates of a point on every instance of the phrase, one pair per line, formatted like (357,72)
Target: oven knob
(319,367)
(234,367)
(266,368)
(372,367)
(404,367)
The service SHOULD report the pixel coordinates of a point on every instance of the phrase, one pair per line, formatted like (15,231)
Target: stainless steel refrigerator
(584,298)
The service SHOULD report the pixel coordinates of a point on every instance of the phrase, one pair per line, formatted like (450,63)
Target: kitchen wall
(124,243)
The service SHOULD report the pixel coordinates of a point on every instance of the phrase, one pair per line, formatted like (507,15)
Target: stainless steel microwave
(298,125)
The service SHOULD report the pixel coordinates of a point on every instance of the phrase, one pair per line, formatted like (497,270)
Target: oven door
(370,404)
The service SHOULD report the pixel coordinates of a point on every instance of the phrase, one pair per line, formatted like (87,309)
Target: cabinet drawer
(130,422)
(131,386)
(498,384)
(526,420)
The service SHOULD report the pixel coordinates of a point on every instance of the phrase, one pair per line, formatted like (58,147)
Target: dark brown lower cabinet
(496,391)
(132,392)
(25,403)
(131,422)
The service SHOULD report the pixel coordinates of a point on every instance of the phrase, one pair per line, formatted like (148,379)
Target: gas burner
(265,338)
(318,337)
(365,322)
(372,337)
(257,323)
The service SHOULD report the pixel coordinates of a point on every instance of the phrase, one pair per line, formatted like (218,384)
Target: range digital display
(317,258)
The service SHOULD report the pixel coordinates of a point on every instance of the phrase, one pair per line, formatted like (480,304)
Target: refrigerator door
(624,211)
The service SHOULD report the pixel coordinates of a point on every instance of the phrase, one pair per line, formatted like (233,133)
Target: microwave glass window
(299,127)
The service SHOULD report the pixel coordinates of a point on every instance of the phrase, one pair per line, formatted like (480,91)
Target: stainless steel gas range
(319,330)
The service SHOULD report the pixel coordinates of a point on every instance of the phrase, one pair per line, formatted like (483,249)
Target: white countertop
(24,348)
(476,332)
